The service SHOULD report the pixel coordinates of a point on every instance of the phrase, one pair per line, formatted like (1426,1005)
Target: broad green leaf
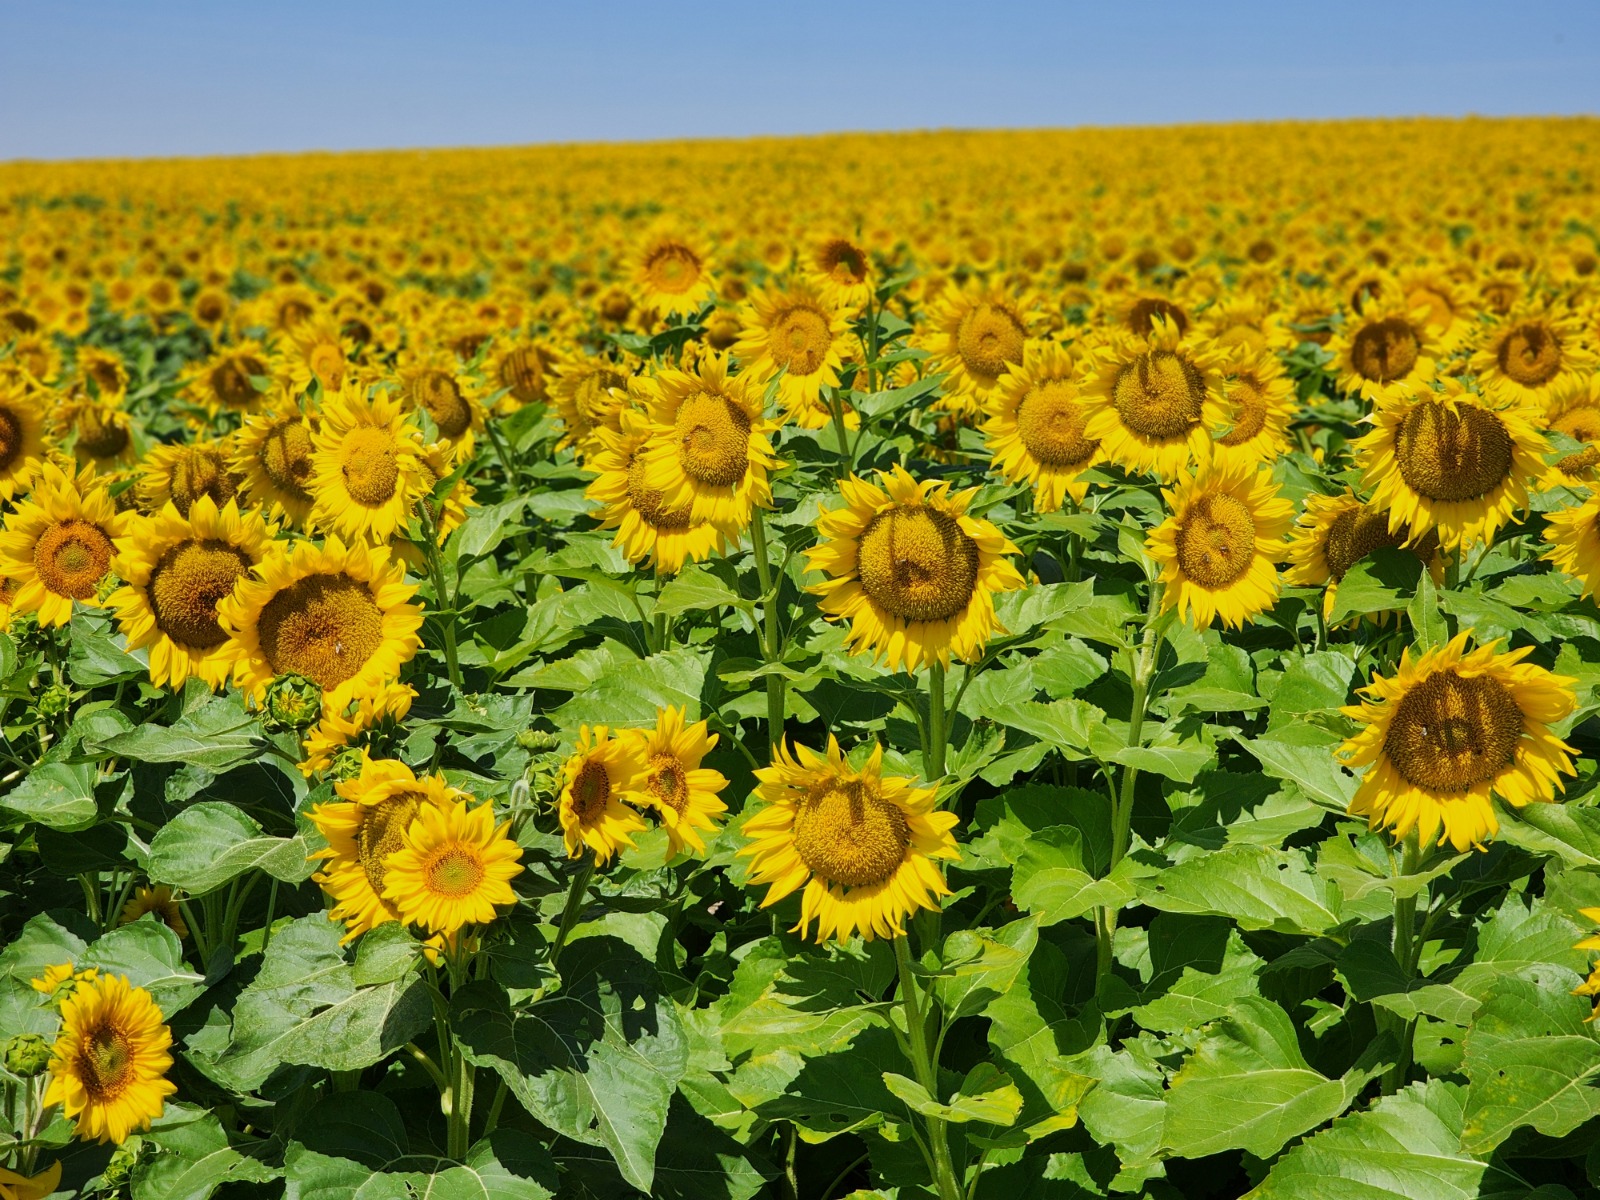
(195,1159)
(60,795)
(1198,997)
(1428,625)
(149,954)
(212,843)
(1050,879)
(1180,763)
(218,735)
(1303,755)
(978,966)
(986,1094)
(695,590)
(1259,887)
(828,1094)
(632,693)
(1384,581)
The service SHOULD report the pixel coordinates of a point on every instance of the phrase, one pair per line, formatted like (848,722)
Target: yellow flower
(672,784)
(180,475)
(1591,985)
(434,384)
(54,976)
(1336,532)
(366,472)
(387,706)
(1219,549)
(863,845)
(58,544)
(590,395)
(1258,402)
(159,901)
(672,272)
(977,335)
(1520,359)
(1572,407)
(22,446)
(453,867)
(646,528)
(1036,427)
(908,568)
(1383,352)
(1448,730)
(225,382)
(590,804)
(108,1066)
(798,337)
(317,348)
(23,1187)
(273,457)
(840,270)
(1574,534)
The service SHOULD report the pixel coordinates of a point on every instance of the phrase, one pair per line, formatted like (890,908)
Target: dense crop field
(1010,665)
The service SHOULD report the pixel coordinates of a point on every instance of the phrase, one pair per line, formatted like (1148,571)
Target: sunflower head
(272,456)
(1151,400)
(593,781)
(367,466)
(158,900)
(646,527)
(1386,348)
(22,438)
(672,785)
(672,272)
(1037,426)
(454,865)
(57,545)
(108,1068)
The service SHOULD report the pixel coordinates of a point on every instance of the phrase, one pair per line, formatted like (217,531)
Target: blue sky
(135,78)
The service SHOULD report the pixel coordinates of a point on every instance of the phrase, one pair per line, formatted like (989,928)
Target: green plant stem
(441,597)
(836,409)
(769,621)
(938,730)
(492,1121)
(574,906)
(927,1072)
(272,912)
(1406,952)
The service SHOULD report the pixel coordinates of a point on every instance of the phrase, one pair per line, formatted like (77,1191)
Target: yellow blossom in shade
(385,707)
(100,432)
(590,395)
(272,455)
(1036,427)
(180,475)
(158,900)
(58,544)
(1384,352)
(1572,407)
(1591,985)
(54,976)
(646,528)
(367,468)
(976,335)
(1448,730)
(30,1187)
(108,1066)
(865,846)
(1258,402)
(435,384)
(105,370)
(453,867)
(841,271)
(364,828)
(710,449)
(1574,536)
(908,568)
(1220,547)
(671,783)
(226,382)
(1530,351)
(22,438)
(317,349)
(590,805)
(1450,462)
(1153,400)
(799,338)
(1336,532)
(672,272)
(522,370)
(341,616)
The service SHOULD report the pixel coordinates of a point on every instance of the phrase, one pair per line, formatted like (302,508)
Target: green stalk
(1406,952)
(927,1074)
(441,596)
(574,905)
(938,730)
(769,617)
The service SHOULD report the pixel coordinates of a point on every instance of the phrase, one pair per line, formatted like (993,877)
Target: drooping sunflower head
(182,474)
(103,373)
(865,846)
(435,384)
(1452,462)
(22,438)
(1037,426)
(1384,350)
(1530,350)
(842,272)
(58,544)
(272,456)
(1336,532)
(101,433)
(646,527)
(593,782)
(672,272)
(523,369)
(158,900)
(796,335)
(108,1067)
(672,785)
(978,334)
(1152,400)
(361,718)
(454,865)
(366,468)
(590,394)
(1450,729)
(911,571)
(1220,547)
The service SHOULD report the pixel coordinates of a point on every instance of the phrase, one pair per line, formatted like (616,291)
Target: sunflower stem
(574,906)
(441,594)
(1405,953)
(938,732)
(927,1071)
(769,618)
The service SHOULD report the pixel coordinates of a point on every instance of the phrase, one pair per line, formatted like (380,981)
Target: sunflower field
(1052,664)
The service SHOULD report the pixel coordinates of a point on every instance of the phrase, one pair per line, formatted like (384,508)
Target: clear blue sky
(92,78)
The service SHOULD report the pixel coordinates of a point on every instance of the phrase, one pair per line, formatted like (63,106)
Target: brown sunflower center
(1249,411)
(440,394)
(454,872)
(101,436)
(799,340)
(522,371)
(72,557)
(210,308)
(847,834)
(590,792)
(370,465)
(1458,454)
(1580,424)
(10,437)
(1499,296)
(593,397)
(918,563)
(1160,394)
(989,339)
(106,1062)
(383,828)
(1216,540)
(713,439)
(185,586)
(285,456)
(1450,733)
(843,262)
(1050,422)
(1142,316)
(646,500)
(230,380)
(1530,354)
(200,471)
(1385,350)
(324,627)
(668,781)
(672,268)
(106,376)
(1353,535)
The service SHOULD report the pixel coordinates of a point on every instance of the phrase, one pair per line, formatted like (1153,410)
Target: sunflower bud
(346,765)
(293,702)
(537,740)
(55,700)
(123,1159)
(27,1055)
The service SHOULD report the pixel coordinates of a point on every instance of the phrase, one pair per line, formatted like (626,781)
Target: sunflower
(1152,401)
(589,395)
(453,866)
(1219,549)
(1450,729)
(317,349)
(1448,461)
(1574,535)
(911,571)
(58,544)
(1591,985)
(182,474)
(104,372)
(364,828)
(159,901)
(59,980)
(672,273)
(710,449)
(1530,351)
(381,709)
(366,471)
(645,527)
(101,433)
(523,370)
(341,616)
(434,384)
(841,272)
(30,1187)
(672,784)
(1035,427)
(863,845)
(109,1064)
(590,803)
(227,381)
(1446,304)
(1258,400)
(1336,532)
(799,337)
(977,335)
(22,443)
(1573,408)
(272,455)
(1384,351)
